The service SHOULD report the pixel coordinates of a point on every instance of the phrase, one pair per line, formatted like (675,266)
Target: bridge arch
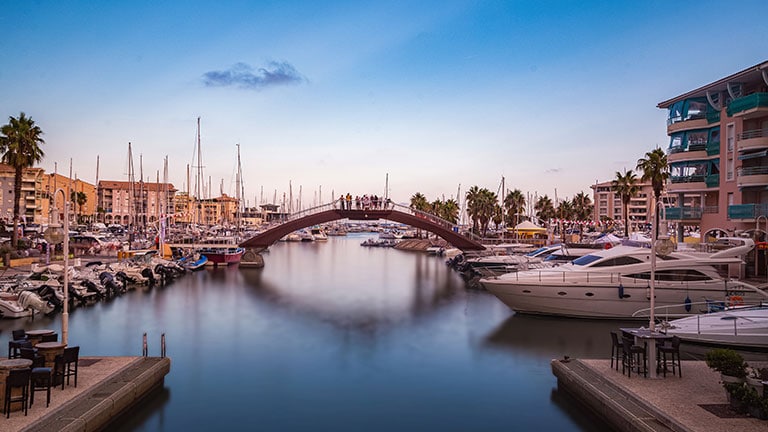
(393,212)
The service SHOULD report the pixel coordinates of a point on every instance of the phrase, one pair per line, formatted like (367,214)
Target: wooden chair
(17,379)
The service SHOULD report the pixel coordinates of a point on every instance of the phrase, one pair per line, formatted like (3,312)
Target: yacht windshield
(536,252)
(586,260)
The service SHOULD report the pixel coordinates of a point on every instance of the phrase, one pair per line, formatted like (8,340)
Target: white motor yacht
(745,327)
(318,233)
(615,283)
(10,307)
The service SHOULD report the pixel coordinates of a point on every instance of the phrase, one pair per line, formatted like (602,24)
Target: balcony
(751,106)
(753,140)
(682,213)
(695,123)
(747,211)
(752,176)
(688,183)
(678,155)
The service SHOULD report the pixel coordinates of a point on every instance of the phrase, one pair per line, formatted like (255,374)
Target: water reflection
(557,337)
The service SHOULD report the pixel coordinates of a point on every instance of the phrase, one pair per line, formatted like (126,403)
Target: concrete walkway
(643,404)
(106,387)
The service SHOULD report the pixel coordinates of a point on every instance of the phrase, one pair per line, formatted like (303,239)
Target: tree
(79,199)
(656,169)
(514,204)
(545,209)
(625,185)
(473,198)
(582,206)
(19,144)
(419,202)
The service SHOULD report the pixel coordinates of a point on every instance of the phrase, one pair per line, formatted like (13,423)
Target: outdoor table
(643,335)
(35,336)
(49,350)
(5,368)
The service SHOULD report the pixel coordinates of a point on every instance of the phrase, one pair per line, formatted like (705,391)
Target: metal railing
(756,133)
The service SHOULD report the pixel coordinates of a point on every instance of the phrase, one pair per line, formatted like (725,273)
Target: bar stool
(616,350)
(17,379)
(673,351)
(18,337)
(631,357)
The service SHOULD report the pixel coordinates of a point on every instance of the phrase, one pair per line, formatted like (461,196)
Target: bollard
(162,345)
(144,346)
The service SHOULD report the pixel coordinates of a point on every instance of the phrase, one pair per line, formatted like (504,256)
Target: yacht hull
(613,298)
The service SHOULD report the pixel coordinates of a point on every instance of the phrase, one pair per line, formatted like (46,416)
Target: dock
(107,387)
(697,402)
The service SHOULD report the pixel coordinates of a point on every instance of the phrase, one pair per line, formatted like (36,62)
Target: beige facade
(608,205)
(34,203)
(140,203)
(78,213)
(214,211)
(718,154)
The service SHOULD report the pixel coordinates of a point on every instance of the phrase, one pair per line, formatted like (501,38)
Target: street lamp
(664,249)
(54,234)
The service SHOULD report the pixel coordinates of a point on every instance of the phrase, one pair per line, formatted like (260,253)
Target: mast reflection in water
(334,336)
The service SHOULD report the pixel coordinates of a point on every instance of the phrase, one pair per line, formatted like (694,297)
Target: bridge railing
(335,205)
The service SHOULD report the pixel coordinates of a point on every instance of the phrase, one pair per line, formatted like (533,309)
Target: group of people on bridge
(366,202)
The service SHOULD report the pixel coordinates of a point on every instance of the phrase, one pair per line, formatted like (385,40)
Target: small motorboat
(744,327)
(193,263)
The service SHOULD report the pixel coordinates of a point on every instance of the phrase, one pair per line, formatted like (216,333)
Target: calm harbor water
(335,336)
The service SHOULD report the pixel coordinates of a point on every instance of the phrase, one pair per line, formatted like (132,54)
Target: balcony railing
(713,116)
(697,178)
(747,211)
(682,213)
(755,100)
(713,180)
(756,133)
(750,171)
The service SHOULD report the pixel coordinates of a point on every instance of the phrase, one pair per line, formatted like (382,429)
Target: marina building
(83,207)
(34,202)
(608,205)
(126,203)
(718,154)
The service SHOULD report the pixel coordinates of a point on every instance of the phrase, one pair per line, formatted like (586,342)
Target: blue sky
(333,96)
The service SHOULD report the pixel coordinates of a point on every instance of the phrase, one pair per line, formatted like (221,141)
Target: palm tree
(656,169)
(582,206)
(449,210)
(419,202)
(625,185)
(79,199)
(487,205)
(545,209)
(473,198)
(19,144)
(514,204)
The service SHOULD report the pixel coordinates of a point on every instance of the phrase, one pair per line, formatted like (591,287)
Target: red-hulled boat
(222,255)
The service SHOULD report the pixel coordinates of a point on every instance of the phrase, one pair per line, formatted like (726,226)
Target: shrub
(727,362)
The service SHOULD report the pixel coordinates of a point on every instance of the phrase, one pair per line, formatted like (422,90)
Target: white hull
(746,328)
(10,308)
(547,294)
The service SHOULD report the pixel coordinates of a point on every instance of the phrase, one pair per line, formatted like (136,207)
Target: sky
(355,96)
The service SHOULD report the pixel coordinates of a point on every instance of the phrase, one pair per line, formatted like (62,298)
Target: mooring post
(162,345)
(144,350)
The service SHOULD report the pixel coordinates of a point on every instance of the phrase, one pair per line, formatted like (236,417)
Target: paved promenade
(693,403)
(106,387)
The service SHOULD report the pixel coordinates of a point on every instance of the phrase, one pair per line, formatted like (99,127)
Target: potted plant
(729,363)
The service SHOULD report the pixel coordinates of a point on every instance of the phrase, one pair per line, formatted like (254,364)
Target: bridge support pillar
(252,258)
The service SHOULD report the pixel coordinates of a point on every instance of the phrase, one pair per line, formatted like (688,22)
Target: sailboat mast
(199,177)
(131,191)
(237,186)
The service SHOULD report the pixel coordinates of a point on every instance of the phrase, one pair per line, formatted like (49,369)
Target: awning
(753,155)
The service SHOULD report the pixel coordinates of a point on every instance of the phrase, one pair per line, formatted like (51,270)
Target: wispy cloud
(553,170)
(245,76)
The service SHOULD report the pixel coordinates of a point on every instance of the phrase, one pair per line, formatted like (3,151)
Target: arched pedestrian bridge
(394,212)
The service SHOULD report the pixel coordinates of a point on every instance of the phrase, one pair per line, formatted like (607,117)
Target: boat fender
(687,303)
(621,291)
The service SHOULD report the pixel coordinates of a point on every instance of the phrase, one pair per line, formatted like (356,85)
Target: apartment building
(34,202)
(127,203)
(608,205)
(718,154)
(82,197)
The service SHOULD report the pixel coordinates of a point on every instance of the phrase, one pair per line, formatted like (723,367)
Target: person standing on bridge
(341,200)
(349,201)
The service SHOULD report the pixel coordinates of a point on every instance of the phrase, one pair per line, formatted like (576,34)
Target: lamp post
(54,234)
(652,319)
